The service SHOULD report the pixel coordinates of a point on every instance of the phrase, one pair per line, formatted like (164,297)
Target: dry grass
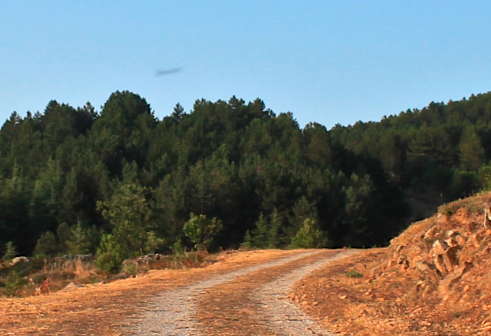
(104,309)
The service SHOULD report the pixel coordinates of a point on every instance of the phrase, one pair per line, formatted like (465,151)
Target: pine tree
(46,245)
(78,242)
(310,236)
(470,148)
(10,251)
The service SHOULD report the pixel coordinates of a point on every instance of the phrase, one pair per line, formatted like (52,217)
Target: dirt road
(240,293)
(248,301)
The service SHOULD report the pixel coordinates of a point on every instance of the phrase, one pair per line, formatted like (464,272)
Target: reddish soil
(434,279)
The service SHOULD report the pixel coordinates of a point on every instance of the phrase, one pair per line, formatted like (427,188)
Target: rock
(430,234)
(72,286)
(460,240)
(474,241)
(450,280)
(438,261)
(451,242)
(450,258)
(376,271)
(424,266)
(438,248)
(17,260)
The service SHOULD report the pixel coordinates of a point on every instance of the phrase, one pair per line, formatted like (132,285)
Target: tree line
(225,174)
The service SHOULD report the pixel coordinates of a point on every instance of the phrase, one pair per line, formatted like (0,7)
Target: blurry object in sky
(167,72)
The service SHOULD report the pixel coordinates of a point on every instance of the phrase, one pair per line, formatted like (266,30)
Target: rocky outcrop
(442,249)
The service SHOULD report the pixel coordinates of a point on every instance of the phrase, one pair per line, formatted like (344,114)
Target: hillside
(118,183)
(433,279)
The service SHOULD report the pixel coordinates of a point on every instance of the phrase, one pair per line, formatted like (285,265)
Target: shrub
(108,256)
(13,283)
(201,230)
(354,274)
(310,236)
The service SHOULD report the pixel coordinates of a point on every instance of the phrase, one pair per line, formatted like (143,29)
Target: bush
(108,256)
(354,274)
(130,269)
(13,283)
(201,231)
(46,245)
(310,236)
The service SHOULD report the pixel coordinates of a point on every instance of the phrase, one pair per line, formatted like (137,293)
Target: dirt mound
(434,279)
(449,253)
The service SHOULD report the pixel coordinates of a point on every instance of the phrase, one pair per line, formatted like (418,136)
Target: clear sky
(328,61)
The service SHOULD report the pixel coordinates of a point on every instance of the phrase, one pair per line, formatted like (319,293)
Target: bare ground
(105,309)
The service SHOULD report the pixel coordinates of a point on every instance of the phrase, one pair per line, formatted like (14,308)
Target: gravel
(284,316)
(173,312)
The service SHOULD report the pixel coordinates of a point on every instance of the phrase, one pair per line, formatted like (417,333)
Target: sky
(325,61)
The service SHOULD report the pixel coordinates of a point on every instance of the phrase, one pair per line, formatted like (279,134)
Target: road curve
(176,312)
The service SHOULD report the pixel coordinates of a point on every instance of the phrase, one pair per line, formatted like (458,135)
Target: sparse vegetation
(353,274)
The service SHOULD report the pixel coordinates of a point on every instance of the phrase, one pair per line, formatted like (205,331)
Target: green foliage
(138,178)
(470,148)
(130,269)
(129,213)
(78,242)
(13,282)
(267,233)
(10,251)
(153,242)
(46,245)
(464,183)
(110,254)
(201,231)
(310,236)
(63,234)
(353,274)
(178,248)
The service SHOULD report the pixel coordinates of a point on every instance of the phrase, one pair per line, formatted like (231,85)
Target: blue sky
(325,61)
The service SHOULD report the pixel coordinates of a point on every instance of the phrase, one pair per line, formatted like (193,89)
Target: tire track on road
(174,312)
(257,304)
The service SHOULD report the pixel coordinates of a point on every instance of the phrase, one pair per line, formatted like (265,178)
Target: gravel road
(173,312)
(284,316)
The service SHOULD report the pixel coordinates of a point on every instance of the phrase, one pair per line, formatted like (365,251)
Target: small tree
(153,242)
(78,242)
(63,233)
(274,239)
(260,235)
(46,245)
(109,254)
(13,283)
(10,251)
(201,231)
(128,212)
(310,236)
(266,234)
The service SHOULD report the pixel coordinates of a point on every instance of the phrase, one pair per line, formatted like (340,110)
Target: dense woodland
(225,174)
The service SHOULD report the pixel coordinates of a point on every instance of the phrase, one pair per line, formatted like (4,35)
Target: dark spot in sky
(167,72)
